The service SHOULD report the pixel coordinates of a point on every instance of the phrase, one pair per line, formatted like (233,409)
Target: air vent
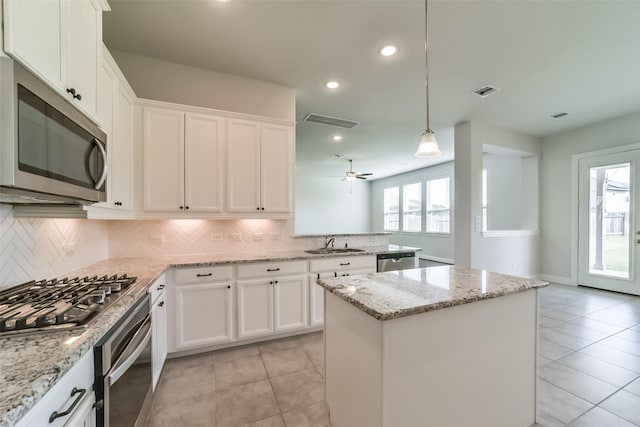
(486,90)
(557,116)
(330,121)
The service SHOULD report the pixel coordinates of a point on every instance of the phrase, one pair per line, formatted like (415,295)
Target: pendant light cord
(426,56)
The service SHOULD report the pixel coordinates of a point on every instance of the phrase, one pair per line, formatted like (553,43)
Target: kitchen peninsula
(440,347)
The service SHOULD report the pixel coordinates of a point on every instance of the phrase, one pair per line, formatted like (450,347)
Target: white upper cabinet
(163,143)
(183,161)
(276,166)
(243,165)
(204,162)
(115,113)
(216,164)
(32,36)
(60,41)
(84,53)
(260,167)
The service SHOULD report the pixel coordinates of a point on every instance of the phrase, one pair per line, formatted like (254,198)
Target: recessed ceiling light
(332,84)
(389,50)
(337,137)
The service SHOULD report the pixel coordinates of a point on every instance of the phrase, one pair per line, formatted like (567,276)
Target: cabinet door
(290,303)
(158,338)
(316,299)
(203,157)
(163,142)
(122,150)
(243,166)
(203,314)
(255,307)
(83,42)
(276,168)
(85,414)
(32,36)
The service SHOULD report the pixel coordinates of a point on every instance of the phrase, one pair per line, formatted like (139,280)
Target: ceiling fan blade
(365,174)
(343,179)
(360,177)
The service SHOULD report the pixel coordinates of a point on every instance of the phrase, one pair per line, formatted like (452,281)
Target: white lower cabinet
(273,298)
(73,393)
(203,307)
(327,268)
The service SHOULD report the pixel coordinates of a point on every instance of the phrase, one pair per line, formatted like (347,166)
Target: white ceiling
(582,57)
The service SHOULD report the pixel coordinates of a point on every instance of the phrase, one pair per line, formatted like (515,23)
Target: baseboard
(561,280)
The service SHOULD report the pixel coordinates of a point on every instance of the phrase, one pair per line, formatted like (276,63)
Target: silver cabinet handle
(131,353)
(105,169)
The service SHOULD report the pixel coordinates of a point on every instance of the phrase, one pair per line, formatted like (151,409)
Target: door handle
(105,168)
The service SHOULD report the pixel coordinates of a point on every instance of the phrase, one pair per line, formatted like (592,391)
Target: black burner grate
(58,303)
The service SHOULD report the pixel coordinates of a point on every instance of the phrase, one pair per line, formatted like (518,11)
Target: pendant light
(428,144)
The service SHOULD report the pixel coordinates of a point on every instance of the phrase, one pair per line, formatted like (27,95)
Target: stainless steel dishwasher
(396,261)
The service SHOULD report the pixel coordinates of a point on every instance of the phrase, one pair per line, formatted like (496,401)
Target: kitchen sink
(333,251)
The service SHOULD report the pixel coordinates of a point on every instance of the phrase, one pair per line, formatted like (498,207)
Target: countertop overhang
(396,294)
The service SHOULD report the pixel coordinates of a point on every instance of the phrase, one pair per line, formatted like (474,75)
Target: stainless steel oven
(123,370)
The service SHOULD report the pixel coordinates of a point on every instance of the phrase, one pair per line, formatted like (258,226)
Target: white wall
(511,254)
(435,246)
(171,82)
(329,205)
(559,258)
(33,249)
(504,191)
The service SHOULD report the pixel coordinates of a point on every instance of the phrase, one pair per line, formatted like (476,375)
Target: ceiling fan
(352,176)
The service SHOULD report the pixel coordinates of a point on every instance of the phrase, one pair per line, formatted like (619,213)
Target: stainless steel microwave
(50,152)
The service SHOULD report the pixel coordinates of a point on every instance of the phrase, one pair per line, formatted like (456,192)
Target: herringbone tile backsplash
(32,249)
(41,248)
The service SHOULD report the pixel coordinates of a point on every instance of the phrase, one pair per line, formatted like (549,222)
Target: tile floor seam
(619,416)
(273,390)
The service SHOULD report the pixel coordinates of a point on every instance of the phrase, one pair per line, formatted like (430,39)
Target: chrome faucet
(329,241)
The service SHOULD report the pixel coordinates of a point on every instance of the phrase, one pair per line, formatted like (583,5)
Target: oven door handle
(133,350)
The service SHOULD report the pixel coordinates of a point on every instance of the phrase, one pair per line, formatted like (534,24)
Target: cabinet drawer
(156,288)
(59,398)
(203,274)
(271,269)
(343,263)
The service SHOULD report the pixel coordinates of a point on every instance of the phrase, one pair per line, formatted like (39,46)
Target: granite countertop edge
(424,308)
(16,401)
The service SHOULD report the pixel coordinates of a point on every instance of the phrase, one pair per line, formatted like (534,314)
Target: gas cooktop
(58,303)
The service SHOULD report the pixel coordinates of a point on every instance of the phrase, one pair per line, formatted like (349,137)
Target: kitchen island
(440,347)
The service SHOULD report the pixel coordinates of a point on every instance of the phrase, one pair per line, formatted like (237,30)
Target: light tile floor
(589,372)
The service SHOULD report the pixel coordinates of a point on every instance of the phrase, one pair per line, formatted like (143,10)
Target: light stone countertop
(396,294)
(32,363)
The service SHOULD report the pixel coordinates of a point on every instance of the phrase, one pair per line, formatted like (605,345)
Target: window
(438,206)
(412,207)
(392,209)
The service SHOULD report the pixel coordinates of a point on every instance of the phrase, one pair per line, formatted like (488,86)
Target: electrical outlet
(236,236)
(258,236)
(215,237)
(157,239)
